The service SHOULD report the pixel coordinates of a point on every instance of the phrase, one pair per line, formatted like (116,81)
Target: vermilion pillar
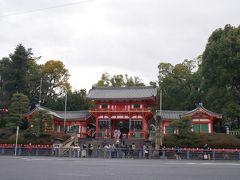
(97,128)
(144,127)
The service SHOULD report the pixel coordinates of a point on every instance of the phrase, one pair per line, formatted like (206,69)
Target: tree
(133,81)
(220,70)
(75,101)
(183,126)
(164,69)
(78,101)
(40,124)
(119,80)
(179,84)
(19,106)
(4,73)
(18,73)
(105,80)
(55,81)
(185,137)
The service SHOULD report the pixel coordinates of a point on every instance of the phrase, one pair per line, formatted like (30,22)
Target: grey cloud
(132,35)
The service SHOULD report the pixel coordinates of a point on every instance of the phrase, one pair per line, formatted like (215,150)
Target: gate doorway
(122,125)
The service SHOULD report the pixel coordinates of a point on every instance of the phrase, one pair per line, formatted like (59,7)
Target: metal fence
(123,153)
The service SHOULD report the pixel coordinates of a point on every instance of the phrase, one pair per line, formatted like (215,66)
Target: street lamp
(158,124)
(65,115)
(17,132)
(160,107)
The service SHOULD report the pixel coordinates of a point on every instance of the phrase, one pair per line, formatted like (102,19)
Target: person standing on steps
(146,152)
(132,150)
(84,152)
(98,150)
(90,150)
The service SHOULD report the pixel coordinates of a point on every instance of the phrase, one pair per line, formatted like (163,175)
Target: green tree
(78,101)
(104,81)
(183,126)
(119,80)
(54,81)
(220,70)
(19,106)
(18,74)
(164,69)
(133,81)
(75,101)
(40,124)
(4,73)
(185,137)
(179,84)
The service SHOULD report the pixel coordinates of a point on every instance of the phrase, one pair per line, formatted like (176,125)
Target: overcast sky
(115,36)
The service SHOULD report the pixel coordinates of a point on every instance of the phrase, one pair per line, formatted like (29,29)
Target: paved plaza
(47,168)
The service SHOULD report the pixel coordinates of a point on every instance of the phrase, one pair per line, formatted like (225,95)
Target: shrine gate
(123,108)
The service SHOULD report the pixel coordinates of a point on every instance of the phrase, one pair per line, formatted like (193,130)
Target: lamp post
(160,107)
(65,113)
(40,93)
(158,124)
(16,143)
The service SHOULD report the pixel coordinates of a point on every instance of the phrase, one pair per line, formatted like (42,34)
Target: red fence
(26,145)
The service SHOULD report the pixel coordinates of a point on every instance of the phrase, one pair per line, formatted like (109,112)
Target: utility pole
(16,144)
(65,111)
(158,125)
(160,107)
(40,93)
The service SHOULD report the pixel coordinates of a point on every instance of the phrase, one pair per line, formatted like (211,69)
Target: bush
(12,139)
(9,137)
(220,140)
(4,135)
(43,139)
(216,140)
(189,140)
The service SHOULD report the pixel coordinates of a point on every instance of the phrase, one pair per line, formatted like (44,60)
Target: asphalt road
(47,168)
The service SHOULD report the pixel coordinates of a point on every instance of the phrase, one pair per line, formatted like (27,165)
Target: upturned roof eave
(55,113)
(202,109)
(73,119)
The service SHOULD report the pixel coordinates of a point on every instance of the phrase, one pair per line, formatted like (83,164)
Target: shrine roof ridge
(70,115)
(174,115)
(170,114)
(129,92)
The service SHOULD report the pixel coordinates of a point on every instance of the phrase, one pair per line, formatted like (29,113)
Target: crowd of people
(107,150)
(117,149)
